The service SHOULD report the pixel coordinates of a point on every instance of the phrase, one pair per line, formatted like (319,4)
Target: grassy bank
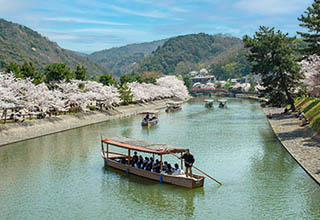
(311,108)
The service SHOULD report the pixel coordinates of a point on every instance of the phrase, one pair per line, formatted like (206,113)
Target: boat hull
(178,180)
(173,109)
(149,123)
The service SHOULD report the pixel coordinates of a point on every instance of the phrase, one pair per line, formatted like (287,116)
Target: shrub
(310,106)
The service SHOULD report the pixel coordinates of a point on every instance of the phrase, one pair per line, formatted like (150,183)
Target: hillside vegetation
(311,108)
(182,54)
(122,60)
(21,44)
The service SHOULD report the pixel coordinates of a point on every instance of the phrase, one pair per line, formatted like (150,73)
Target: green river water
(61,176)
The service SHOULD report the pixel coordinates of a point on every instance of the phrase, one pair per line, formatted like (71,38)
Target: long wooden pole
(200,171)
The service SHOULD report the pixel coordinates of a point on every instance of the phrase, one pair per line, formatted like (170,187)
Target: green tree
(125,79)
(311,21)
(81,73)
(187,82)
(15,69)
(28,70)
(107,80)
(272,55)
(125,94)
(56,72)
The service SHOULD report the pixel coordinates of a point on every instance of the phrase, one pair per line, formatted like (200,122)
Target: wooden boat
(173,107)
(222,103)
(209,103)
(153,119)
(114,159)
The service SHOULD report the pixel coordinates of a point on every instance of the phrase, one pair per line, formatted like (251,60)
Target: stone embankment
(11,133)
(299,141)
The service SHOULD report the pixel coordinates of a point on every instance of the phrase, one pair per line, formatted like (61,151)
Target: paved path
(11,133)
(297,140)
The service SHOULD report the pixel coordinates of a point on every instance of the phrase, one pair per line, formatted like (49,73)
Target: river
(61,176)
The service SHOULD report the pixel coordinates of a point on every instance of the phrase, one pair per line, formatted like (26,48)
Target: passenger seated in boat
(134,159)
(169,169)
(145,163)
(156,167)
(123,160)
(140,162)
(147,117)
(176,170)
(154,118)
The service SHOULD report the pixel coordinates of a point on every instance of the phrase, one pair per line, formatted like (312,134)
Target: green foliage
(231,63)
(126,79)
(180,55)
(81,73)
(107,79)
(57,72)
(310,21)
(122,60)
(187,82)
(20,44)
(315,124)
(310,106)
(125,94)
(272,55)
(15,69)
(227,85)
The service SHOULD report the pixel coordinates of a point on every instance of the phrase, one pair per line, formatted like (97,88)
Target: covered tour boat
(173,107)
(122,161)
(222,103)
(209,103)
(150,118)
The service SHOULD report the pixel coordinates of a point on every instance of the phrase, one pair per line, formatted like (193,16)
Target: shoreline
(300,142)
(17,132)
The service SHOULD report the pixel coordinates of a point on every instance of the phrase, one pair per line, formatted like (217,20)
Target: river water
(61,176)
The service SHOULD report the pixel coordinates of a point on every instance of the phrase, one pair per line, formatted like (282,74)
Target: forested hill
(21,44)
(122,60)
(182,54)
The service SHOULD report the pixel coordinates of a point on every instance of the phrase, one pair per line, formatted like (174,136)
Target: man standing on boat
(188,162)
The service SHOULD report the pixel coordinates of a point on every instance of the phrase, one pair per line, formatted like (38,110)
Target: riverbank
(299,141)
(12,133)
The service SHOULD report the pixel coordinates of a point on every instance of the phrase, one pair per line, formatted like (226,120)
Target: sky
(93,25)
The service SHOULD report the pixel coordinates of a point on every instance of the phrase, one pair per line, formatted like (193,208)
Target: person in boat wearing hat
(188,162)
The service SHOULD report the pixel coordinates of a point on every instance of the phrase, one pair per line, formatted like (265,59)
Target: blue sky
(91,25)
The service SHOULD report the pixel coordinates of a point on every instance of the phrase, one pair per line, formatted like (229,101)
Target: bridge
(209,90)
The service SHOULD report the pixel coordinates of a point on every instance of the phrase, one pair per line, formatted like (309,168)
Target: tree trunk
(290,101)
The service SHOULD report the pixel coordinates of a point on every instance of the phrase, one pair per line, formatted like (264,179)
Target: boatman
(188,162)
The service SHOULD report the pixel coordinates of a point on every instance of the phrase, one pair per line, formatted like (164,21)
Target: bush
(310,106)
(316,125)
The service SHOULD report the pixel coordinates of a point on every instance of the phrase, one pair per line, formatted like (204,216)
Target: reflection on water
(61,176)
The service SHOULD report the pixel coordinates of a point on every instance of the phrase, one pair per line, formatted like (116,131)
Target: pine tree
(272,55)
(311,21)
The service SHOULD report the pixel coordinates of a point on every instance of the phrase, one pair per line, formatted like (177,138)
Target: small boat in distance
(123,162)
(222,103)
(173,107)
(209,103)
(150,118)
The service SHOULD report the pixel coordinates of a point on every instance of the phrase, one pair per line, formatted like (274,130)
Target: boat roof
(152,112)
(208,100)
(174,103)
(144,146)
(222,100)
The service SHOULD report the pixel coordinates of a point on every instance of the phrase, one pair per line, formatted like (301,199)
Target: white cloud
(79,20)
(151,14)
(271,7)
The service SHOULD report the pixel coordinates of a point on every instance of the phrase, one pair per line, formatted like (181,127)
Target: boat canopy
(140,145)
(151,112)
(222,100)
(174,103)
(208,100)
